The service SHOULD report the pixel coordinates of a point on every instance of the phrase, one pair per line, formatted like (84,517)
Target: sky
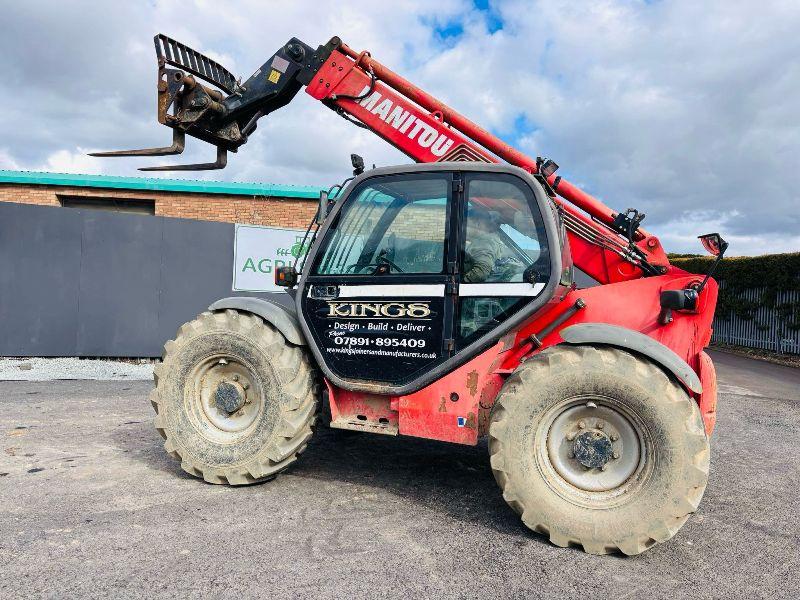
(688,111)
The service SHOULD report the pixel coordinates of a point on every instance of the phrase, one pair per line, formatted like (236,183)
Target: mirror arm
(712,269)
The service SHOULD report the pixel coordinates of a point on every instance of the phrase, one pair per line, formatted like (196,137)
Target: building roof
(158,184)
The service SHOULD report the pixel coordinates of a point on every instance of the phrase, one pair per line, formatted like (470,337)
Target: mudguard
(282,317)
(628,339)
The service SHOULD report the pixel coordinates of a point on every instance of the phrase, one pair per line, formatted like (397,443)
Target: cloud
(65,161)
(685,228)
(685,110)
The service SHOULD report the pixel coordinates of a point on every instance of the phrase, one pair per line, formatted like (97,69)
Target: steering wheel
(381,260)
(531,274)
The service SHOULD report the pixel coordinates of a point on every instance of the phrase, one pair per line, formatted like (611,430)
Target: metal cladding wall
(95,283)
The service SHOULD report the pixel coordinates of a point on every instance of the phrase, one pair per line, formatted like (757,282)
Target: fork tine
(178,144)
(222,160)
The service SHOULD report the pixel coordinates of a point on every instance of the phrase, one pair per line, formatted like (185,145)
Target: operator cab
(420,267)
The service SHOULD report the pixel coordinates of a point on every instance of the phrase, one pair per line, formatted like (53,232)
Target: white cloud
(65,161)
(7,161)
(680,234)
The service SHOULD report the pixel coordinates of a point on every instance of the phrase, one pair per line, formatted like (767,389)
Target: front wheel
(234,401)
(597,448)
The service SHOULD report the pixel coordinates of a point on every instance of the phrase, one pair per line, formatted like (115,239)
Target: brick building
(252,203)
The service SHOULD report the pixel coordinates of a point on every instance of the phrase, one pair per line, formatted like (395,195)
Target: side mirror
(286,277)
(322,211)
(713,243)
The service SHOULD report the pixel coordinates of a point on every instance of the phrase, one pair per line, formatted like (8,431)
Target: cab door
(504,262)
(378,299)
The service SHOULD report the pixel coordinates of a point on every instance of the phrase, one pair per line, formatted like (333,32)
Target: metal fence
(767,330)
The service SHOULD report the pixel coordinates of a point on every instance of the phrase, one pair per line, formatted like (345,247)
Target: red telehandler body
(438,300)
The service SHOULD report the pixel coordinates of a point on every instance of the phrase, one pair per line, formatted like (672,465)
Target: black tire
(231,361)
(566,395)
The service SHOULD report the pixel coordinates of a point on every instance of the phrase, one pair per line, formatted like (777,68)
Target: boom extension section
(608,245)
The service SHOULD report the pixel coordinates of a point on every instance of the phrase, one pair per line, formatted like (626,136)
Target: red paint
(708,399)
(359,409)
(432,412)
(635,305)
(330,82)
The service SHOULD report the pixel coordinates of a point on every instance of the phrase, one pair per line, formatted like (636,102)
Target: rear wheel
(234,401)
(597,448)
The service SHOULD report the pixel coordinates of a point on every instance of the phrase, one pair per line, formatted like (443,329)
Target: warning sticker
(274,76)
(281,64)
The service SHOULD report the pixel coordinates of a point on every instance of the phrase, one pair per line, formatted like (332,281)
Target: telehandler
(438,300)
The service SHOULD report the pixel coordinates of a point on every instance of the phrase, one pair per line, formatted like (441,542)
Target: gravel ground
(47,369)
(92,507)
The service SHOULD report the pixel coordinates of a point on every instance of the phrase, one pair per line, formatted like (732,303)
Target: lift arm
(607,245)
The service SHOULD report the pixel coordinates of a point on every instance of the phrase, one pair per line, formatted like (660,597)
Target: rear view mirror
(713,243)
(322,211)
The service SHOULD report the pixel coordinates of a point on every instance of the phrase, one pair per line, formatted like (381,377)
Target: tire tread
(296,376)
(538,366)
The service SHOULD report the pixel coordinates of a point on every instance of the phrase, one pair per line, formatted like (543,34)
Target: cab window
(393,224)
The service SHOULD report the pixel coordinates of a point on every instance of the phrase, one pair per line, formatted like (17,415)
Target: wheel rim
(226,398)
(594,449)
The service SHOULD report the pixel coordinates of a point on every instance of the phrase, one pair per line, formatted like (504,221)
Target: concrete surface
(90,506)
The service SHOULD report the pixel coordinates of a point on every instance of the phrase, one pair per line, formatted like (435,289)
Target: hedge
(771,273)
